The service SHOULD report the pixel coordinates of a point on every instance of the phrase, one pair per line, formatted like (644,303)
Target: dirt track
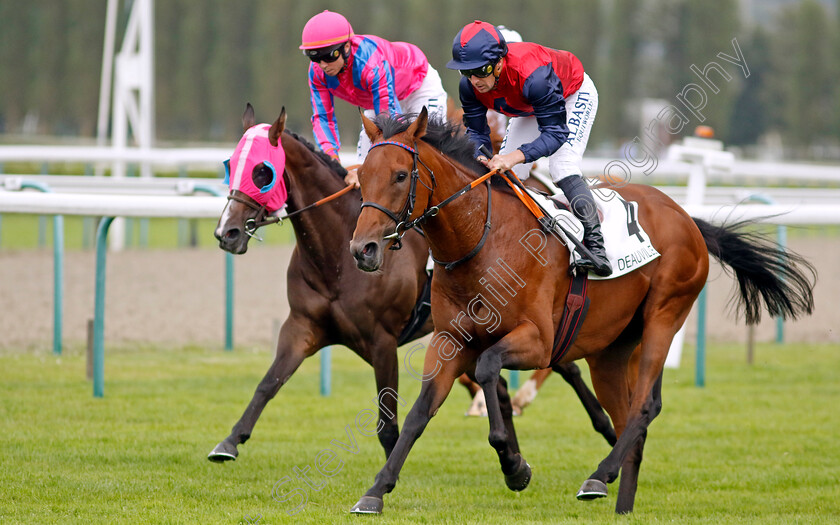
(177,298)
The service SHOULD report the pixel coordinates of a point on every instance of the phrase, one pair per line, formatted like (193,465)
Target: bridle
(252,224)
(403,224)
(260,219)
(402,219)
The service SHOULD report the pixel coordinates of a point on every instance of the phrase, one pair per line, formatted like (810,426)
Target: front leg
(521,345)
(439,376)
(298,340)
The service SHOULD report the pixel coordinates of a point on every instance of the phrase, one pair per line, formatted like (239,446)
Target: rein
(403,224)
(260,219)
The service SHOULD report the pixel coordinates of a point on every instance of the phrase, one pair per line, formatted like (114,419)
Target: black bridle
(403,224)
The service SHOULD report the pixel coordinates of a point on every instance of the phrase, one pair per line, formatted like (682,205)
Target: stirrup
(586,264)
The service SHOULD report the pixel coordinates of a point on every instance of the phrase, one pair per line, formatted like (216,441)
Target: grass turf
(758,444)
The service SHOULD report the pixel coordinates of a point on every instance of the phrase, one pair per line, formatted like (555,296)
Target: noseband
(401,219)
(259,220)
(252,224)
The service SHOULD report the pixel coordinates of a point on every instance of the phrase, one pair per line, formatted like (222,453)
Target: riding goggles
(480,72)
(328,55)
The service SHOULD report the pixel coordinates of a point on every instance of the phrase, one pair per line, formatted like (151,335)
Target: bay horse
(513,325)
(330,301)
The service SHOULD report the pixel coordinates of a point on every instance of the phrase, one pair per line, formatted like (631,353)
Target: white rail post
(134,96)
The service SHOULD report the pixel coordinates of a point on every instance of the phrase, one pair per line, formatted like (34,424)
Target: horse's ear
(418,127)
(371,128)
(248,119)
(277,128)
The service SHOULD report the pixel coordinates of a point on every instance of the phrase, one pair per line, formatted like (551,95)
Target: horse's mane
(330,162)
(446,136)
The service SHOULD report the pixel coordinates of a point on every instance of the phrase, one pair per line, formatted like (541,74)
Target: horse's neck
(459,226)
(322,232)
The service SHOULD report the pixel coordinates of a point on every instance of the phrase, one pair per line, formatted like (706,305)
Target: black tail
(785,280)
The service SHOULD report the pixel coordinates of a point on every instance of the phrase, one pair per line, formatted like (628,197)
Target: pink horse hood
(254,148)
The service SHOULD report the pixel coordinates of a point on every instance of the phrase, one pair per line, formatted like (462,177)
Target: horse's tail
(764,269)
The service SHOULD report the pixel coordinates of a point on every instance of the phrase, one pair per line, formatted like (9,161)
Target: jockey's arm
(324,126)
(475,117)
(545,93)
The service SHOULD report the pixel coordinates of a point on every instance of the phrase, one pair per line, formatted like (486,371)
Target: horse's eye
(401,176)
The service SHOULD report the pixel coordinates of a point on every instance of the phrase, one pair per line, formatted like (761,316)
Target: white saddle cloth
(627,245)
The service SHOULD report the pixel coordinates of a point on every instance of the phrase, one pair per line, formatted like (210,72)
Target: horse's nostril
(232,234)
(369,249)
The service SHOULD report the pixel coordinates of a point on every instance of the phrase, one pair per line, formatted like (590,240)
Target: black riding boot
(583,206)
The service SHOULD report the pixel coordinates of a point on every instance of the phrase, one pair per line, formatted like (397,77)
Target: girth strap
(419,314)
(577,305)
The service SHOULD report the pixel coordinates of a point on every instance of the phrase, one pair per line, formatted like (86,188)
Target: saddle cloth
(627,245)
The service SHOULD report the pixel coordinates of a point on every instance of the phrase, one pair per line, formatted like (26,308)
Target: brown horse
(484,324)
(331,302)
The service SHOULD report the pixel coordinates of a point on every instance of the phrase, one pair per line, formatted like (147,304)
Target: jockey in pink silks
(366,71)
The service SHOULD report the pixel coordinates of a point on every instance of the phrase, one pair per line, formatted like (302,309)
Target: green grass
(758,444)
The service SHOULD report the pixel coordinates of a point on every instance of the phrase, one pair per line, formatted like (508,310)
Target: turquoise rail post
(229,301)
(58,266)
(182,223)
(229,277)
(514,379)
(99,308)
(326,370)
(781,239)
(42,220)
(700,359)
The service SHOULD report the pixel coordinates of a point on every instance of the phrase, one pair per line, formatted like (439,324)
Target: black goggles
(328,55)
(481,72)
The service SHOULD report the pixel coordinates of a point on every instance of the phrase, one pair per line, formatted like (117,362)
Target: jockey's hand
(482,159)
(352,178)
(506,161)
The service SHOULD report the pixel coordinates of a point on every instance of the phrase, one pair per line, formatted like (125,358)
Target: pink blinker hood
(254,148)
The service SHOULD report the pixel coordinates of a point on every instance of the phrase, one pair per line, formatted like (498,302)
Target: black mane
(446,136)
(330,162)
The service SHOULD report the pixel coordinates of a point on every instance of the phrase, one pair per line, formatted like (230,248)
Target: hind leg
(298,340)
(642,410)
(386,370)
(600,421)
(630,468)
(528,391)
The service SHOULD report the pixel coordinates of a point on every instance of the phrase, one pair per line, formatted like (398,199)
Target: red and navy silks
(534,82)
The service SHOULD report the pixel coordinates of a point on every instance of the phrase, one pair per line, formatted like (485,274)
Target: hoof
(223,452)
(592,489)
(519,480)
(368,505)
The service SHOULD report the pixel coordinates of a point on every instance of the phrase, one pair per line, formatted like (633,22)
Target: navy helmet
(476,45)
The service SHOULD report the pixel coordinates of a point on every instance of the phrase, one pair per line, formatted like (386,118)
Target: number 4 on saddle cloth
(627,245)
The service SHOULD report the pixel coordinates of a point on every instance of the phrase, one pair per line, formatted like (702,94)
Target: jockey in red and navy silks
(534,83)
(552,103)
(366,71)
